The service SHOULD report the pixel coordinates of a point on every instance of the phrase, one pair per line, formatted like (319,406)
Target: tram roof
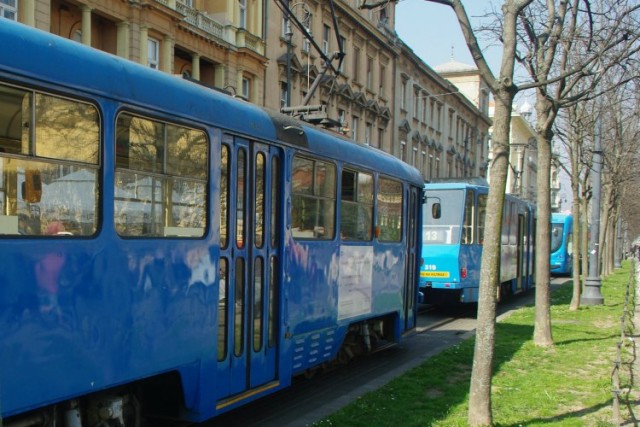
(455,183)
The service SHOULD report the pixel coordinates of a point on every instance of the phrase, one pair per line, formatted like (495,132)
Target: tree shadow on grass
(569,342)
(572,415)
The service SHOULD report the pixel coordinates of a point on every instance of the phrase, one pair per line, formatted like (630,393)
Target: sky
(432,31)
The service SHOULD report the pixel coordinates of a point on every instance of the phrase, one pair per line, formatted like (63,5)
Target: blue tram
(453,232)
(172,252)
(561,258)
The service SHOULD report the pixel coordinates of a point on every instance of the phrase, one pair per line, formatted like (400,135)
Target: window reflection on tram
(49,158)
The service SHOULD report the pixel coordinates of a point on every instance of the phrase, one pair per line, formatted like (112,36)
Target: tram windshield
(444,230)
(556,236)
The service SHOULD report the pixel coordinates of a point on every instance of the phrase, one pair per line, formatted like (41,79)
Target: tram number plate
(443,274)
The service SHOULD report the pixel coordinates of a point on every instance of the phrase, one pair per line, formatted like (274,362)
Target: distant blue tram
(561,258)
(169,251)
(453,234)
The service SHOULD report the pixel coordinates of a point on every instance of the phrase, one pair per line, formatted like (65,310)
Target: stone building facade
(441,130)
(382,94)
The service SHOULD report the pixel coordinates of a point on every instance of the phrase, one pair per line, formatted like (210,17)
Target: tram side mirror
(436,211)
(32,186)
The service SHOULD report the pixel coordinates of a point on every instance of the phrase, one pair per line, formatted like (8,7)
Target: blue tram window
(469,214)
(389,210)
(273,301)
(258,318)
(260,200)
(161,179)
(240,197)
(224,197)
(238,308)
(356,207)
(482,216)
(223,308)
(314,198)
(275,201)
(60,194)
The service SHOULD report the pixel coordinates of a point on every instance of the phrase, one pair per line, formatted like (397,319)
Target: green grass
(568,384)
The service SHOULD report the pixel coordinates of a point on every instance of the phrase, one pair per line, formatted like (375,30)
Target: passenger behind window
(56,228)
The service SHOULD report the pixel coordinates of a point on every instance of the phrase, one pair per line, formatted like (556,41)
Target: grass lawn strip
(568,384)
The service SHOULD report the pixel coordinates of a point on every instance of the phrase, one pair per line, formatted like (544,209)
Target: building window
(343,43)
(403,151)
(342,118)
(383,71)
(242,19)
(414,156)
(424,108)
(380,137)
(356,63)
(451,125)
(384,16)
(285,26)
(283,94)
(246,88)
(403,95)
(416,104)
(431,109)
(187,2)
(424,164)
(354,128)
(9,9)
(430,176)
(325,39)
(369,72)
(367,134)
(153,53)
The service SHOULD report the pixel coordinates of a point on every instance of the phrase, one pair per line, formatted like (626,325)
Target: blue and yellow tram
(170,251)
(561,258)
(453,236)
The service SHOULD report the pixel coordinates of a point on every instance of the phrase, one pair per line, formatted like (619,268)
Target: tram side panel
(129,297)
(338,279)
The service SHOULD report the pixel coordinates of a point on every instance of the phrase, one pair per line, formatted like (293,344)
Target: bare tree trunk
(607,243)
(504,92)
(542,328)
(604,228)
(480,391)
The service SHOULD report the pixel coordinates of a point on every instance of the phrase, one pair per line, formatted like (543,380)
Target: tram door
(250,223)
(521,268)
(413,206)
